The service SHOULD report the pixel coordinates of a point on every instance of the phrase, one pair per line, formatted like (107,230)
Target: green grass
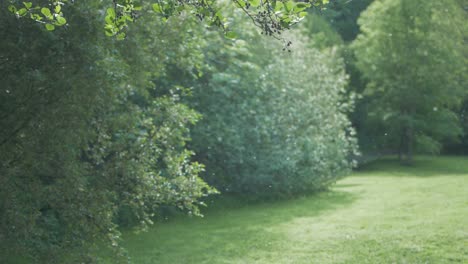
(383,213)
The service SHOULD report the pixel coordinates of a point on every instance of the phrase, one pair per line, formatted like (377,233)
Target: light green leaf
(241,3)
(22,12)
(27,4)
(109,33)
(46,12)
(120,36)
(110,12)
(279,6)
(289,5)
(254,3)
(49,27)
(157,8)
(36,17)
(61,21)
(12,8)
(109,19)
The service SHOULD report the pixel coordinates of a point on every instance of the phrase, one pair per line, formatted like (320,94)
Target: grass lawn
(383,213)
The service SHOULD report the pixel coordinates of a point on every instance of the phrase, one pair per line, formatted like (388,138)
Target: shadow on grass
(234,209)
(423,166)
(231,228)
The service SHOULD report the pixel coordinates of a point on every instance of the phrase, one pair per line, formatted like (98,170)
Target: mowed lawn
(383,213)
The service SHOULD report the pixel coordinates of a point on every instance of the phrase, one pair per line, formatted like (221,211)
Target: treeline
(407,62)
(98,134)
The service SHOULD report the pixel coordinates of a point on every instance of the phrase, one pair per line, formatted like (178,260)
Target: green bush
(274,123)
(85,141)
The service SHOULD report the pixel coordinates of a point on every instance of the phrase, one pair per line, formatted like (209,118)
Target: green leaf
(301,7)
(61,21)
(22,12)
(289,5)
(254,3)
(109,33)
(36,17)
(231,35)
(12,8)
(241,3)
(120,36)
(127,17)
(27,4)
(109,19)
(49,27)
(279,6)
(57,9)
(46,12)
(157,8)
(110,12)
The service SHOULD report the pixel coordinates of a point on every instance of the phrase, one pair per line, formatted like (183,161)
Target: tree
(343,15)
(412,54)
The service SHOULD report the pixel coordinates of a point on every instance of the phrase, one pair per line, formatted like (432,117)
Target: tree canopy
(413,53)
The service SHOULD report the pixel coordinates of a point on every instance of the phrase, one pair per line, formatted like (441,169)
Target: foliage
(460,147)
(272,16)
(343,16)
(333,28)
(321,33)
(85,136)
(95,134)
(273,124)
(412,54)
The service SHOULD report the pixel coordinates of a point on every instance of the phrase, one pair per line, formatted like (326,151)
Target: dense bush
(86,137)
(274,122)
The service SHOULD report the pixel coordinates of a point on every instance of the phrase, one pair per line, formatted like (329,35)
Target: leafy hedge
(274,123)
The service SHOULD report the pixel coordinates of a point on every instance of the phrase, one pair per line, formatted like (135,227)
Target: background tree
(412,54)
(343,15)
